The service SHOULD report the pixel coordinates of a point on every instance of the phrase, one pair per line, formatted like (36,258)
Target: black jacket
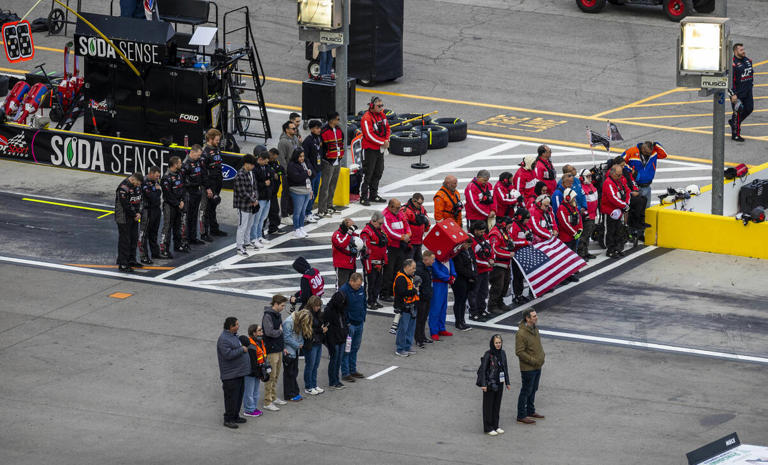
(173,188)
(314,153)
(402,291)
(425,290)
(150,194)
(317,329)
(336,318)
(489,374)
(127,201)
(211,158)
(262,174)
(297,175)
(273,334)
(193,174)
(466,265)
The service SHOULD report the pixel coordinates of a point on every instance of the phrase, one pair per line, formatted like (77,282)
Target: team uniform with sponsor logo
(213,180)
(173,194)
(479,201)
(333,150)
(419,223)
(344,254)
(376,132)
(614,201)
(150,220)
(524,181)
(127,206)
(373,261)
(742,88)
(395,227)
(545,172)
(192,174)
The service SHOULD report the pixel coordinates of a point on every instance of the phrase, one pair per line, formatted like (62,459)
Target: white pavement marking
(382,372)
(268,277)
(245,266)
(567,287)
(197,261)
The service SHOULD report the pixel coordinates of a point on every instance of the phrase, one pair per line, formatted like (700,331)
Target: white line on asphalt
(197,261)
(567,287)
(245,266)
(382,372)
(268,277)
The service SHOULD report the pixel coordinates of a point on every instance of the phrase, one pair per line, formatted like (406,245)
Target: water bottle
(348,346)
(186,140)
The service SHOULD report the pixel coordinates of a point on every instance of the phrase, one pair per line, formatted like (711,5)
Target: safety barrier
(695,230)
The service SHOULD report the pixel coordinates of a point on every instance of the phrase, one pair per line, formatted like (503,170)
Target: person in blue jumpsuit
(442,276)
(741,91)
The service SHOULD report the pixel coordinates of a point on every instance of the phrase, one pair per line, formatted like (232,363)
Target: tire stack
(416,137)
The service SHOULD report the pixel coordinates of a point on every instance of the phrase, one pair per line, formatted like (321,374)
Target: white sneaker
(499,430)
(311,219)
(287,220)
(279,401)
(311,392)
(242,251)
(264,241)
(256,245)
(492,433)
(271,407)
(298,234)
(319,390)
(304,231)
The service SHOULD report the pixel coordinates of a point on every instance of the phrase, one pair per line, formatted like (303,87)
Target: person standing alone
(493,377)
(376,133)
(741,91)
(531,355)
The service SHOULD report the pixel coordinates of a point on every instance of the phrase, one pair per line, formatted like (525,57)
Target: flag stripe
(547,264)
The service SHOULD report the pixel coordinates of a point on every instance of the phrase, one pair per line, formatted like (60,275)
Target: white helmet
(514,194)
(569,194)
(693,189)
(584,173)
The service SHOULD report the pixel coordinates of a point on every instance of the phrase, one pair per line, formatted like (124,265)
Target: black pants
(422,313)
(342,276)
(525,402)
(499,280)
(171,227)
(274,213)
(208,209)
(589,228)
(614,231)
(373,168)
(416,252)
(396,257)
(150,223)
(127,239)
(478,295)
(233,397)
(286,203)
(461,290)
(290,374)
(739,116)
(518,279)
(491,408)
(636,216)
(373,282)
(191,211)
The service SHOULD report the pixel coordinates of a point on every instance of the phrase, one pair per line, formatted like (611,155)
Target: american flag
(150,8)
(547,264)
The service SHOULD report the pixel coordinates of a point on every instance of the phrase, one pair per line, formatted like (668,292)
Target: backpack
(480,373)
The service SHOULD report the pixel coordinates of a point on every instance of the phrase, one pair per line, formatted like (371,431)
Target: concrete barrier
(698,230)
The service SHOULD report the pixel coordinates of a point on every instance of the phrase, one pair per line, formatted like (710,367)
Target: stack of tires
(418,136)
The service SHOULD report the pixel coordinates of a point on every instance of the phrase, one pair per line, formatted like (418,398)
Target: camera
(486,197)
(421,220)
(529,236)
(457,208)
(573,218)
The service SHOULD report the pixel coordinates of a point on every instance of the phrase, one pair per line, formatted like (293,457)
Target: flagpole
(591,148)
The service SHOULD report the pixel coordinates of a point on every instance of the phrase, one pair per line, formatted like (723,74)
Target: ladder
(245,78)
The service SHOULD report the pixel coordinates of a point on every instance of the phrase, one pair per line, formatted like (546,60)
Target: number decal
(17,37)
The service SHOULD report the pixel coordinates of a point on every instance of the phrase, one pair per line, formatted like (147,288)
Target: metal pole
(341,77)
(718,151)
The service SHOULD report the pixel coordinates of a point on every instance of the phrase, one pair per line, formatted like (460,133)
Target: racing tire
(402,126)
(678,9)
(409,143)
(416,123)
(457,128)
(590,6)
(437,136)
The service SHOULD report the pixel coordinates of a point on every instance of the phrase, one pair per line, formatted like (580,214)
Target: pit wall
(698,230)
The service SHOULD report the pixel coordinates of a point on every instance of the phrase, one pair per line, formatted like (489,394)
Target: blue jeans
(251,394)
(300,202)
(335,353)
(326,60)
(311,363)
(313,198)
(349,360)
(527,396)
(133,9)
(405,330)
(257,230)
(646,191)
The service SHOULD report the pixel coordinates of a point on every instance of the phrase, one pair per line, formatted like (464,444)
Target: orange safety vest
(406,300)
(261,351)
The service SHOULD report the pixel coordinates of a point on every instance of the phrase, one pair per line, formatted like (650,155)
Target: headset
(372,103)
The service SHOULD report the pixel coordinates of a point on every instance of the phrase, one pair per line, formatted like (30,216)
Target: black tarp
(376,40)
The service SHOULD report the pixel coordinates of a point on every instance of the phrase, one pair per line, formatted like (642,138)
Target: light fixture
(703,46)
(319,14)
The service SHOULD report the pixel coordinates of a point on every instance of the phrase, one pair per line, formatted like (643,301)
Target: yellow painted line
(760,64)
(88,265)
(275,105)
(742,125)
(69,205)
(17,72)
(762,72)
(275,79)
(581,145)
(690,115)
(689,102)
(647,99)
(105,214)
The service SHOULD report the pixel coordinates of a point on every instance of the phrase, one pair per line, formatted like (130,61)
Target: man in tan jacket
(531,354)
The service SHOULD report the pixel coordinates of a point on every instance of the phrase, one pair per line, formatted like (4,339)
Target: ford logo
(228,172)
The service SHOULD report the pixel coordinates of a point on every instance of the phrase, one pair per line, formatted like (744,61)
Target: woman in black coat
(494,375)
(300,189)
(335,317)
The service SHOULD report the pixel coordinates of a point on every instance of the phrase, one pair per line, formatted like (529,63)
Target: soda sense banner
(94,153)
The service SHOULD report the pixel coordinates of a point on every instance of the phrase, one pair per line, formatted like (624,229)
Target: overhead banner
(99,154)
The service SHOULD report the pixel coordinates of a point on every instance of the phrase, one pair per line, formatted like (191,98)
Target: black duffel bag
(754,194)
